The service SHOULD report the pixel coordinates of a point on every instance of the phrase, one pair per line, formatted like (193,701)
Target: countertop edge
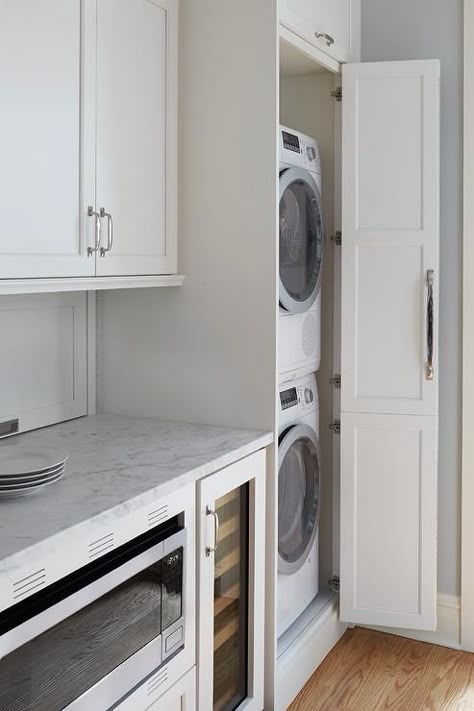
(43,547)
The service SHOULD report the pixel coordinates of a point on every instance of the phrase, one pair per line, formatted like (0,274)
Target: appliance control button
(308,396)
(173,639)
(311,153)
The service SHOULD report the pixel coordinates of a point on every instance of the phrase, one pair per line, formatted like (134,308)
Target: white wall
(420,30)
(205,352)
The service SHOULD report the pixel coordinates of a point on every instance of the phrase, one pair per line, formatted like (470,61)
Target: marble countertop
(113,461)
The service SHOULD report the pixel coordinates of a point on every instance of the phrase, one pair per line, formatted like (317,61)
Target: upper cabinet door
(45,185)
(390,228)
(332,26)
(136,135)
(389,394)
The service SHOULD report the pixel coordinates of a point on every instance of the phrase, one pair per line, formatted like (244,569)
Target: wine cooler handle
(210,512)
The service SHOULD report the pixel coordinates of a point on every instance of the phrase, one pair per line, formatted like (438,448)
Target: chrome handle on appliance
(324,35)
(429,369)
(210,512)
(110,232)
(92,213)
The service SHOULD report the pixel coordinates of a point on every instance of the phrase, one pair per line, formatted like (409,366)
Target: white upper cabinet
(43,175)
(136,135)
(332,26)
(389,394)
(88,120)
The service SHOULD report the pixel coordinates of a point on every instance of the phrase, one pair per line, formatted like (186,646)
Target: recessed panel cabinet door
(390,230)
(331,25)
(45,186)
(136,135)
(389,395)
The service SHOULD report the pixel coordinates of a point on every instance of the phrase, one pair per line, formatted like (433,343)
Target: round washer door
(298,496)
(301,240)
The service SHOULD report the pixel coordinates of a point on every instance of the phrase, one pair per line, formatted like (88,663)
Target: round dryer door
(298,496)
(301,240)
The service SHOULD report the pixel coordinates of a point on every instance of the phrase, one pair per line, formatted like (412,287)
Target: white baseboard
(296,666)
(448,632)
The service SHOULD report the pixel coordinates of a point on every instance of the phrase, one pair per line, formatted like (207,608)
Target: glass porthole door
(298,497)
(301,240)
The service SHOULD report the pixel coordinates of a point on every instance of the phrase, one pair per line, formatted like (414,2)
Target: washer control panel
(299,150)
(298,398)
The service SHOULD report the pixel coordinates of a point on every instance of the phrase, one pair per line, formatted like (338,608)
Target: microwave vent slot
(25,586)
(157,516)
(157,680)
(101,545)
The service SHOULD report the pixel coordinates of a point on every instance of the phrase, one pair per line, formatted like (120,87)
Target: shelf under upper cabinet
(35,286)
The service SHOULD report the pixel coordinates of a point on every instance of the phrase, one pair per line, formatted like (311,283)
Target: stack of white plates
(26,469)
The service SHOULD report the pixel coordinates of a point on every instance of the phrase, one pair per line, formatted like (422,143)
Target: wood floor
(370,671)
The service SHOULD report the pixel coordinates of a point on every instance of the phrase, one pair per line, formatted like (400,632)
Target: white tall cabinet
(389,395)
(88,138)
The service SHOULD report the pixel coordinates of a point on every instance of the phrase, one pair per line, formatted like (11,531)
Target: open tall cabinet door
(389,396)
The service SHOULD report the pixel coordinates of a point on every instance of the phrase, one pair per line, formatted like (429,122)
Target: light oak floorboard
(372,671)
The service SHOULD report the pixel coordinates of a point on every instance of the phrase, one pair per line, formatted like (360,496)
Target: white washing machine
(301,253)
(298,500)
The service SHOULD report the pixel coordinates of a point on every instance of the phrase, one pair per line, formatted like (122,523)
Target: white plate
(24,459)
(24,487)
(25,478)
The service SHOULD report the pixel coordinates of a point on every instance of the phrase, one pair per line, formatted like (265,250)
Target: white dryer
(298,500)
(301,245)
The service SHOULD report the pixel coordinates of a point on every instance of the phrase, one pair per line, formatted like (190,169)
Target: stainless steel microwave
(89,639)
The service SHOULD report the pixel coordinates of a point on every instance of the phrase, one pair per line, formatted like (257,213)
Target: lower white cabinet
(231,541)
(332,26)
(181,697)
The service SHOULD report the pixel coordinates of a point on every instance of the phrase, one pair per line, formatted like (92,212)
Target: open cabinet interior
(307,106)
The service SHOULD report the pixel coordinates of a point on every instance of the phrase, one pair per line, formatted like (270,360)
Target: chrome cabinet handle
(110,232)
(210,512)
(92,213)
(429,369)
(324,35)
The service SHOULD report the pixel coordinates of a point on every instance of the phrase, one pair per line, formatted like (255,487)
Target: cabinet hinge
(337,93)
(337,238)
(336,381)
(335,583)
(335,427)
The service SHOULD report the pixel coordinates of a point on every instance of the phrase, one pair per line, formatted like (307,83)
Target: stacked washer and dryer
(301,257)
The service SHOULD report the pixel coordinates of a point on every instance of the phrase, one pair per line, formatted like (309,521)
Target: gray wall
(426,29)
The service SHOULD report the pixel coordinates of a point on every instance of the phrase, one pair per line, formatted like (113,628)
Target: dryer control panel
(297,399)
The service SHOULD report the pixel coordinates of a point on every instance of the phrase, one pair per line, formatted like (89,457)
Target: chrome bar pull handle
(429,369)
(92,213)
(323,35)
(210,512)
(110,232)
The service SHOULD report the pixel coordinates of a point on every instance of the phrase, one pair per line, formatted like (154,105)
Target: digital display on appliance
(291,142)
(288,398)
